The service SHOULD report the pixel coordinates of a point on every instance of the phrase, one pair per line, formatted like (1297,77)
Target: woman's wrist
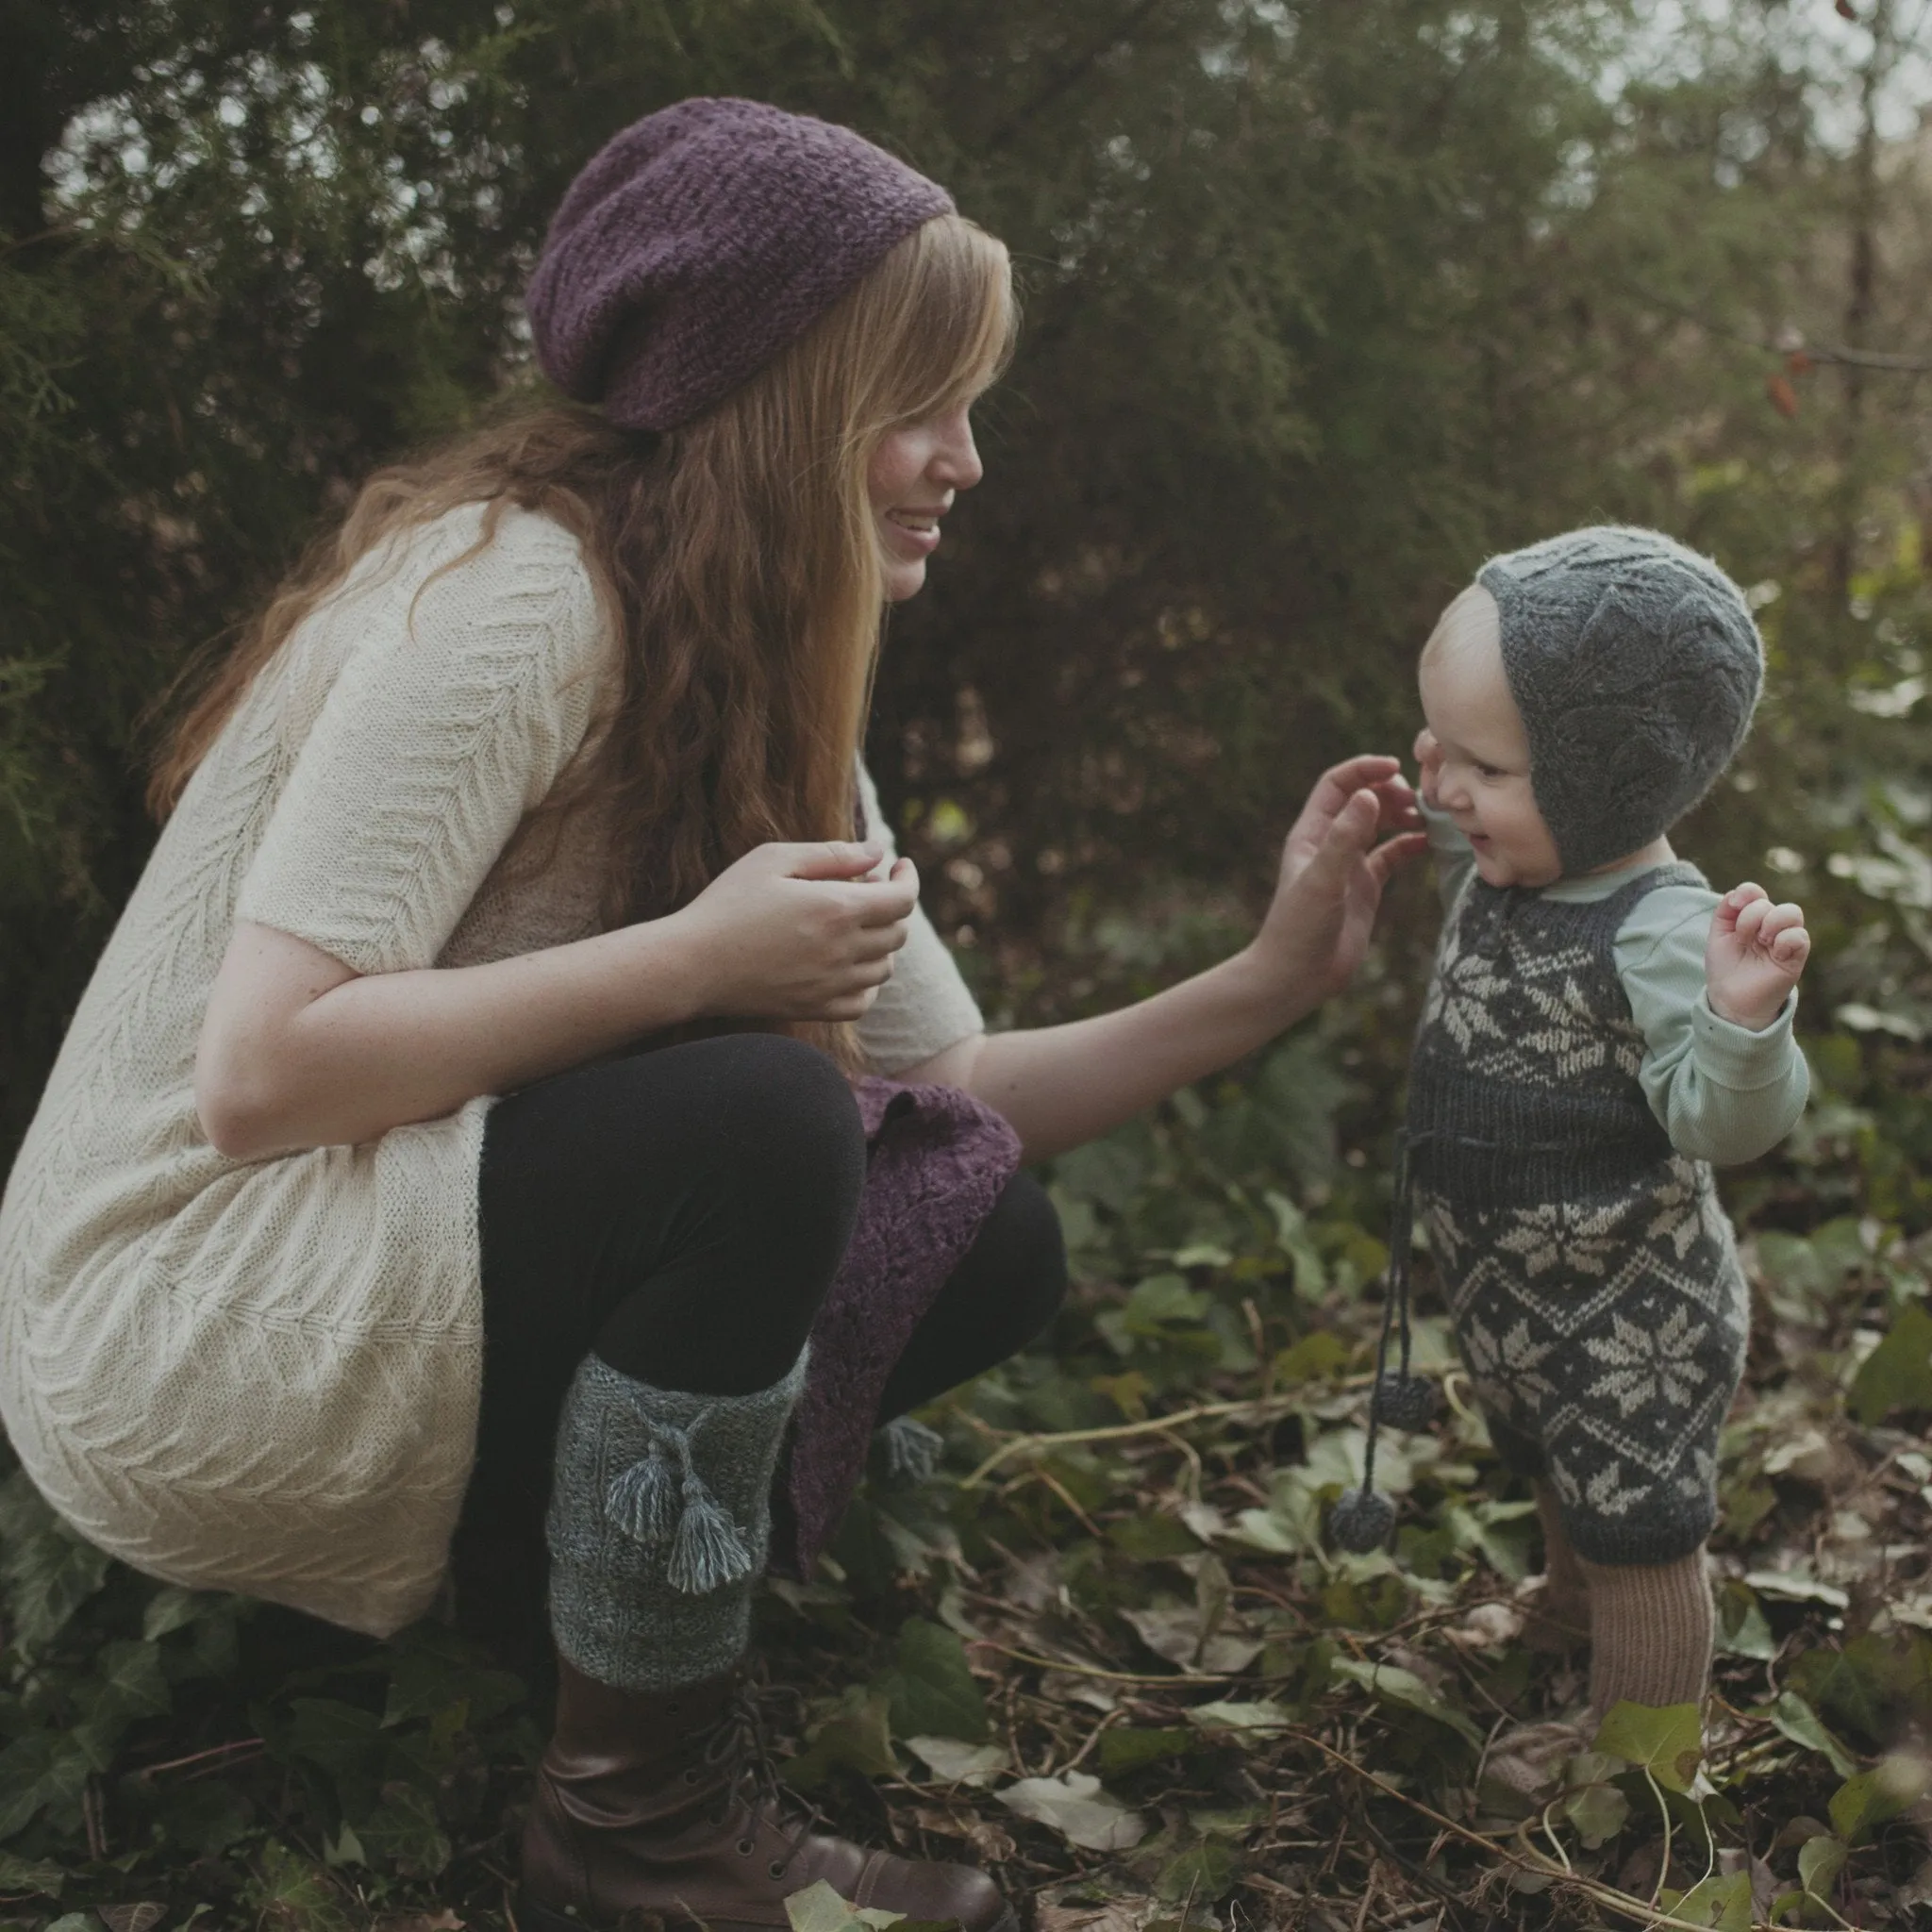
(672,970)
(1267,989)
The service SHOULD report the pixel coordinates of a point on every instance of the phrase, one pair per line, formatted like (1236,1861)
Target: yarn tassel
(709,1550)
(653,1506)
(642,1500)
(913,1451)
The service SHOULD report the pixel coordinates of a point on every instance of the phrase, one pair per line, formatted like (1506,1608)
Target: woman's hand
(1754,956)
(1333,870)
(799,932)
(1428,758)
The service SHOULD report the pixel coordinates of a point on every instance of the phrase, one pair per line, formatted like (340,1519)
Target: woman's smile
(916,531)
(934,457)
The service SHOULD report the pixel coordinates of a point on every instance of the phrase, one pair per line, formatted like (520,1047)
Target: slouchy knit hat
(702,241)
(1636,665)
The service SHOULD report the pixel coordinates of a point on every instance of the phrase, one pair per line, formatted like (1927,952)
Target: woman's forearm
(299,1052)
(1060,1086)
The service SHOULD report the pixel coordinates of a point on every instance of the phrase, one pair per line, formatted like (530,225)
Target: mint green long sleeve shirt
(1722,1093)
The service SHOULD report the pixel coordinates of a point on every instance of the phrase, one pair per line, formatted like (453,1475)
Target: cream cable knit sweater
(263,1377)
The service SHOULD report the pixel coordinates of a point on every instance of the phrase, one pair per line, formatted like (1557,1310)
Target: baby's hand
(1754,956)
(1428,757)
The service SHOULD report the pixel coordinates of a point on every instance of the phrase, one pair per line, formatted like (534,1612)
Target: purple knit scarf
(937,1162)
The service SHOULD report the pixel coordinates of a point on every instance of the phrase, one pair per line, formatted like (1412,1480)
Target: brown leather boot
(663,1805)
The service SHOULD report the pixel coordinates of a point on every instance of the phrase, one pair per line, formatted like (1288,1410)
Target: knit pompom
(1361,1520)
(642,1499)
(913,1451)
(709,1551)
(1406,1402)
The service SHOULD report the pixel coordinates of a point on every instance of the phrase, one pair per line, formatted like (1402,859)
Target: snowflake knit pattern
(1589,1269)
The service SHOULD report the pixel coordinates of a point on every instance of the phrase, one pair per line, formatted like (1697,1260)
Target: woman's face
(915,473)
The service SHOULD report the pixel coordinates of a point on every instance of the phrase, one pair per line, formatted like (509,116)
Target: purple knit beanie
(701,242)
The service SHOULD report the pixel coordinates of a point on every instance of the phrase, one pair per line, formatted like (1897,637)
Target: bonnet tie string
(1363,1516)
(654,1506)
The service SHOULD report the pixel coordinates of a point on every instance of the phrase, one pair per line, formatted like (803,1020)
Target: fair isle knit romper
(1589,1267)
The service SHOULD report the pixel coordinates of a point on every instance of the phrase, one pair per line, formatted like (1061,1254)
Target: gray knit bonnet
(1636,666)
(702,241)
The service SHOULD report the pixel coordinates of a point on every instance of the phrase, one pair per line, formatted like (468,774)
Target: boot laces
(737,1747)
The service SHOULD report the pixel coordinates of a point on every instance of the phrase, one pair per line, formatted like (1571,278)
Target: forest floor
(1107,1651)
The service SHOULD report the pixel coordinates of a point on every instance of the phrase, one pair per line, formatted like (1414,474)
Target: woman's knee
(1021,1257)
(786,1118)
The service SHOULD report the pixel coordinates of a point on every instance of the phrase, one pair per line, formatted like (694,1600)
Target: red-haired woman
(479,1094)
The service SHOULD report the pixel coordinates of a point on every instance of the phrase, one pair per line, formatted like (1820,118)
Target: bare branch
(1817,351)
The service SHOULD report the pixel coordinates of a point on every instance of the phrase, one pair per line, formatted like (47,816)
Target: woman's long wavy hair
(738,563)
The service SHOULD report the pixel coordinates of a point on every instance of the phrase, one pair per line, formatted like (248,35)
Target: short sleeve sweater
(263,1375)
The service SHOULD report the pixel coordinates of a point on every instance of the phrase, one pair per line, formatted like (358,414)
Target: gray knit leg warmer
(658,1525)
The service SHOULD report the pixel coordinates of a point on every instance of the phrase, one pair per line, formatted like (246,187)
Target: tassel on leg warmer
(658,1525)
(912,1451)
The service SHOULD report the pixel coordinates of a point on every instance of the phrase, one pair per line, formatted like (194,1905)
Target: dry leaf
(956,1763)
(142,1917)
(1117,1915)
(1069,1686)
(1485,1628)
(1076,1807)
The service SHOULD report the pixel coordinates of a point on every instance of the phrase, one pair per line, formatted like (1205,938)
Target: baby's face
(1479,774)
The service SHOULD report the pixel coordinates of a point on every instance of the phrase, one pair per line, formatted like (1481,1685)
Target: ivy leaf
(1741,1626)
(819,1908)
(1798,1722)
(932,1692)
(143,1915)
(171,1609)
(1667,1740)
(1124,1749)
(1148,1538)
(1897,1374)
(292,1893)
(1722,1901)
(46,1571)
(1204,1873)
(42,1771)
(18,1876)
(1074,1805)
(856,1737)
(1391,1684)
(1869,1683)
(1891,1786)
(1106,1171)
(429,1680)
(206,1815)
(1795,1587)
(956,1763)
(1313,1359)
(127,1685)
(404,1834)
(340,1737)
(1594,1806)
(1820,1861)
(1258,1720)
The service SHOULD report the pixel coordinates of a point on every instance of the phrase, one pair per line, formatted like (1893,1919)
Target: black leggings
(683,1214)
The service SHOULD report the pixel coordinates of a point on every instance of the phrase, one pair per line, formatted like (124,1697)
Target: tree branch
(1837,354)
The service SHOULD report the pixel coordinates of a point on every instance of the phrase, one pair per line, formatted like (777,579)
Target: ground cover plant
(1107,1649)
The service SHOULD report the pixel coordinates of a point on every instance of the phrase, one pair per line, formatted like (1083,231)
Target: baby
(1601,1027)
